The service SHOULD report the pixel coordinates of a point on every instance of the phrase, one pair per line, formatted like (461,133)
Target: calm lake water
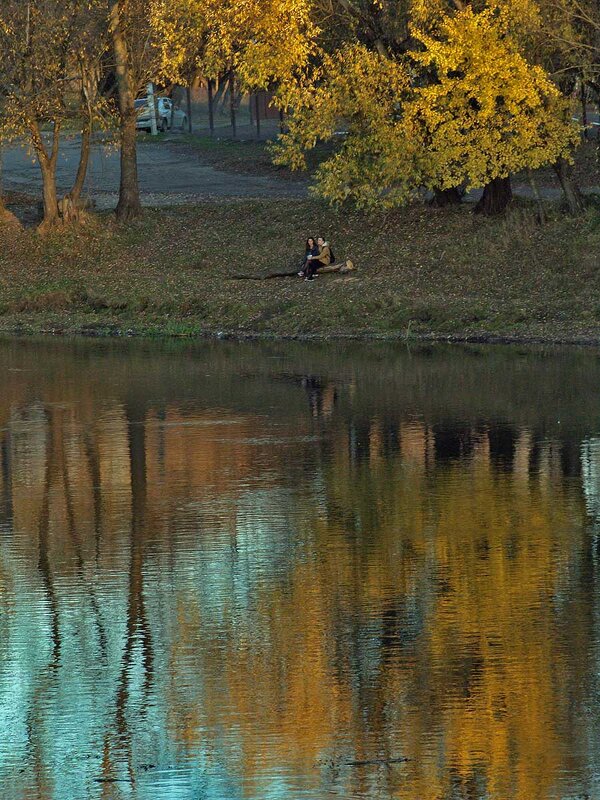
(287,571)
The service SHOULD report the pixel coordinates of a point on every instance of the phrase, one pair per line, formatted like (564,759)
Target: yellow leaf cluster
(336,102)
(490,112)
(261,40)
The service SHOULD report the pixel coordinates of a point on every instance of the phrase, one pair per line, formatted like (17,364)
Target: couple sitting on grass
(318,254)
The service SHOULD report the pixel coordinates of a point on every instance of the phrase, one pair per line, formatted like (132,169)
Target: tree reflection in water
(212,587)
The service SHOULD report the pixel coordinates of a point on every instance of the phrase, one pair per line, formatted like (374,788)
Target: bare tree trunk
(537,197)
(188,99)
(232,104)
(496,198)
(572,194)
(221,91)
(50,197)
(70,206)
(446,197)
(84,160)
(257,106)
(211,112)
(129,204)
(48,168)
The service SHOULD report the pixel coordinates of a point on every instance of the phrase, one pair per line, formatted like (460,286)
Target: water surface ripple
(276,572)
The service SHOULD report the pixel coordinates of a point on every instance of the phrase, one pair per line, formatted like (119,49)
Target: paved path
(167,175)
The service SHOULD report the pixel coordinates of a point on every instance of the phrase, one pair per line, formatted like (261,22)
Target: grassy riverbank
(421,273)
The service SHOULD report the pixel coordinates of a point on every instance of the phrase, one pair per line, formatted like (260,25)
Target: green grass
(147,138)
(421,273)
(247,157)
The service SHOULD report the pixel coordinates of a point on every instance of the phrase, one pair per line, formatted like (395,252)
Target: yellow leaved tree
(458,105)
(354,98)
(261,41)
(488,112)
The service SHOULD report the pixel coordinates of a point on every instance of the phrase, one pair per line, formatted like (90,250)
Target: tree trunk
(129,204)
(48,168)
(84,160)
(221,92)
(50,197)
(537,197)
(232,104)
(496,198)
(211,111)
(257,107)
(70,204)
(446,197)
(188,99)
(572,194)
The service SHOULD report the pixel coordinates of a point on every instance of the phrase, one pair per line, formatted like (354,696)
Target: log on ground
(341,268)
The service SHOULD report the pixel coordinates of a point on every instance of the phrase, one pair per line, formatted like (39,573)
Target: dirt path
(168,176)
(172,175)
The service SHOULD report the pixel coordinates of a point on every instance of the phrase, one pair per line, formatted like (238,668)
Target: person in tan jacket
(324,259)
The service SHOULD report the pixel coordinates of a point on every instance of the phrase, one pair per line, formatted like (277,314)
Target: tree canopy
(410,95)
(262,40)
(459,103)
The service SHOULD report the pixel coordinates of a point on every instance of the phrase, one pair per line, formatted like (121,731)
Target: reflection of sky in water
(590,468)
(281,586)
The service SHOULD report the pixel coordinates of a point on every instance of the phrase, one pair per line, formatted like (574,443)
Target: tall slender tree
(136,62)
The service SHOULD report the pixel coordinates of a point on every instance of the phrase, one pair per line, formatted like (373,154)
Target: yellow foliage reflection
(296,604)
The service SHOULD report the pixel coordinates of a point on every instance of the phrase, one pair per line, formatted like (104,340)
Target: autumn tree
(136,62)
(259,41)
(569,47)
(556,35)
(489,112)
(461,106)
(49,75)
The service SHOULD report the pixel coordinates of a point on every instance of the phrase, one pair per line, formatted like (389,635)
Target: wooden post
(537,197)
(584,114)
(172,120)
(232,104)
(188,97)
(152,108)
(211,115)
(257,109)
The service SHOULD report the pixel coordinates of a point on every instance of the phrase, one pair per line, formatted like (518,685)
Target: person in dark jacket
(323,259)
(311,250)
